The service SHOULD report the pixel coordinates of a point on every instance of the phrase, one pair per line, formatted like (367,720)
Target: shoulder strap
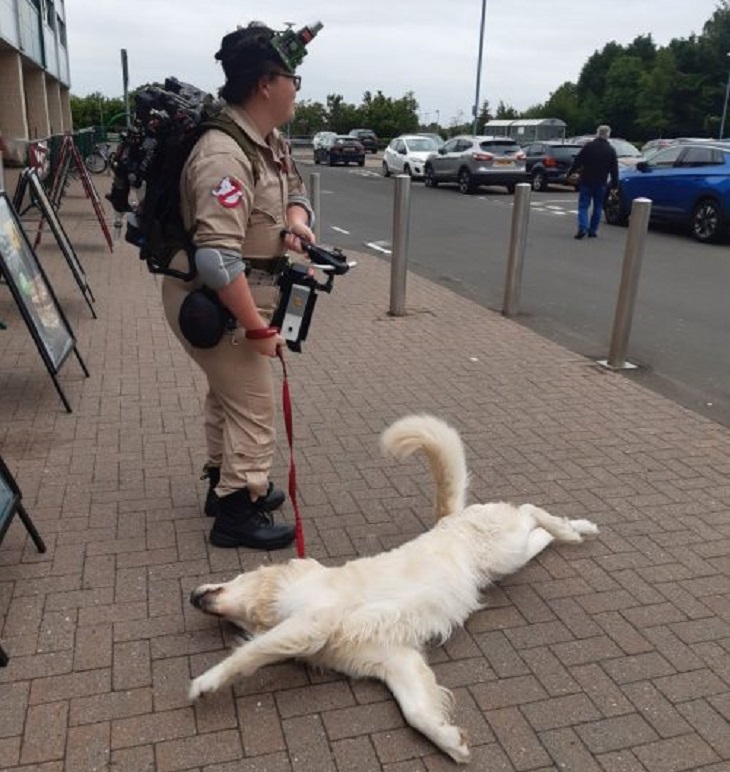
(228,126)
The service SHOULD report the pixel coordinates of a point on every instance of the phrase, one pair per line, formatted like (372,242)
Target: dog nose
(196,598)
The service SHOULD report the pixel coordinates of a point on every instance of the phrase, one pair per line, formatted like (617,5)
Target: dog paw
(202,685)
(455,744)
(584,527)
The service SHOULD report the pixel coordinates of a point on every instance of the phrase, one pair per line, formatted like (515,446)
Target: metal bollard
(399,259)
(2,173)
(635,242)
(315,199)
(516,255)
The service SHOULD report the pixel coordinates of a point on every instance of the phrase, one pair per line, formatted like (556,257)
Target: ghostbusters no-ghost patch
(229,192)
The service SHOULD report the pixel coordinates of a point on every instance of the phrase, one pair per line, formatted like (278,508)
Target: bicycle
(101,158)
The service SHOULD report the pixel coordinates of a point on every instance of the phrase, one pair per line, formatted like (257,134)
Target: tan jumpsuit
(223,209)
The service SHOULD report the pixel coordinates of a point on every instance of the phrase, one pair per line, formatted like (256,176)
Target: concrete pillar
(68,124)
(36,99)
(55,113)
(13,123)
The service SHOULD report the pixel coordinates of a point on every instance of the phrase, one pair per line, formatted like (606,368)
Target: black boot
(273,499)
(243,523)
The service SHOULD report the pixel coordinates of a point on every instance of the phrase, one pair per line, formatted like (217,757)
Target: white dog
(372,617)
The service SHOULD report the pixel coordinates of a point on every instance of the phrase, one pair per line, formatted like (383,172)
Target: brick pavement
(612,656)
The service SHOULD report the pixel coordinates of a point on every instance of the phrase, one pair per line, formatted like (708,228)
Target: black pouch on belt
(203,318)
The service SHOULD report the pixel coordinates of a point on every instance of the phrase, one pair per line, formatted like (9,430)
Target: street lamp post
(475,108)
(724,107)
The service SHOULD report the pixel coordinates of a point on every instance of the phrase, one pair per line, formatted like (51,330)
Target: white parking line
(377,246)
(339,230)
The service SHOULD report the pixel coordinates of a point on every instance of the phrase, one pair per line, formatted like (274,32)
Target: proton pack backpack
(167,123)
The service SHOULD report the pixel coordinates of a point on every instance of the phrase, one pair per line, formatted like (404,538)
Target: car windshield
(624,149)
(345,140)
(421,144)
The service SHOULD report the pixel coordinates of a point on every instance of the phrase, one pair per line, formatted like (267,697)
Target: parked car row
(687,180)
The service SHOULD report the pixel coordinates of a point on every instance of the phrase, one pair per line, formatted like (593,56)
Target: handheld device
(299,287)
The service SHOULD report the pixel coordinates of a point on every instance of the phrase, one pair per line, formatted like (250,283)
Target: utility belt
(204,320)
(272,267)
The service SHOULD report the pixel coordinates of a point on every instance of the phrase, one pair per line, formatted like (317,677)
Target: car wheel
(316,160)
(614,208)
(330,160)
(361,161)
(511,188)
(386,170)
(706,224)
(539,183)
(407,170)
(466,184)
(429,179)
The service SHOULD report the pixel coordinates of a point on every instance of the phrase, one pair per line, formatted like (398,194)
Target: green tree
(505,112)
(618,105)
(309,118)
(563,103)
(655,104)
(94,110)
(341,116)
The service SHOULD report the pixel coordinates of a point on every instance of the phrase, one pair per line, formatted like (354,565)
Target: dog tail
(444,451)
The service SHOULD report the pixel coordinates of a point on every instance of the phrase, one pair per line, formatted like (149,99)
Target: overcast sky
(429,47)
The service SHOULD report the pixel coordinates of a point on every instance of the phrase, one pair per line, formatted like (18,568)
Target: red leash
(286,405)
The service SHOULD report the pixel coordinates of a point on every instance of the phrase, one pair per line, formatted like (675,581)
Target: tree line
(641,90)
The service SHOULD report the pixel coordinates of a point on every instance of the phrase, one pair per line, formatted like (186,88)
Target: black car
(547,162)
(368,138)
(339,149)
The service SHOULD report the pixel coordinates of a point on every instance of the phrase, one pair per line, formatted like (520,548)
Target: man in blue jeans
(595,162)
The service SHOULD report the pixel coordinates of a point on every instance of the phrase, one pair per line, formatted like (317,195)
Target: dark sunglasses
(295,79)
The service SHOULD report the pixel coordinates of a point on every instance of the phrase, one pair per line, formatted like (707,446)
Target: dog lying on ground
(371,617)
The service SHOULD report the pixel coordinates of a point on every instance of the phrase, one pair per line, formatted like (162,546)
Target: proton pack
(167,122)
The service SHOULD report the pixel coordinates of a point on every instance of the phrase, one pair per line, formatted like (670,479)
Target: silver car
(473,161)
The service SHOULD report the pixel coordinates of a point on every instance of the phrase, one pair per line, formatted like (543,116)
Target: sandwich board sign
(29,179)
(34,296)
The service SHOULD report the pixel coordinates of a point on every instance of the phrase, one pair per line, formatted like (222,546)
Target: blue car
(688,184)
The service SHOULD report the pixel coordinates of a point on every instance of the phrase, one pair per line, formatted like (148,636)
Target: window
(666,158)
(566,152)
(500,148)
(701,156)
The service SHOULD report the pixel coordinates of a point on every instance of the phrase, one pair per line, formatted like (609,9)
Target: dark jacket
(596,161)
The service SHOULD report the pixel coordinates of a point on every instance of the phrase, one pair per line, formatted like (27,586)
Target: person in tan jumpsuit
(236,214)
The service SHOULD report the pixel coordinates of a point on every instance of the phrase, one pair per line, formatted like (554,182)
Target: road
(679,335)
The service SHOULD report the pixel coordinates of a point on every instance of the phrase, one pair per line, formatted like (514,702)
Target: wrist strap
(262,333)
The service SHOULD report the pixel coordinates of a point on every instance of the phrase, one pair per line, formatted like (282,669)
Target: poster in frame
(34,295)
(11,505)
(40,196)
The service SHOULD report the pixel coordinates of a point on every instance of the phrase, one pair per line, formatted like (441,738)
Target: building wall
(34,73)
